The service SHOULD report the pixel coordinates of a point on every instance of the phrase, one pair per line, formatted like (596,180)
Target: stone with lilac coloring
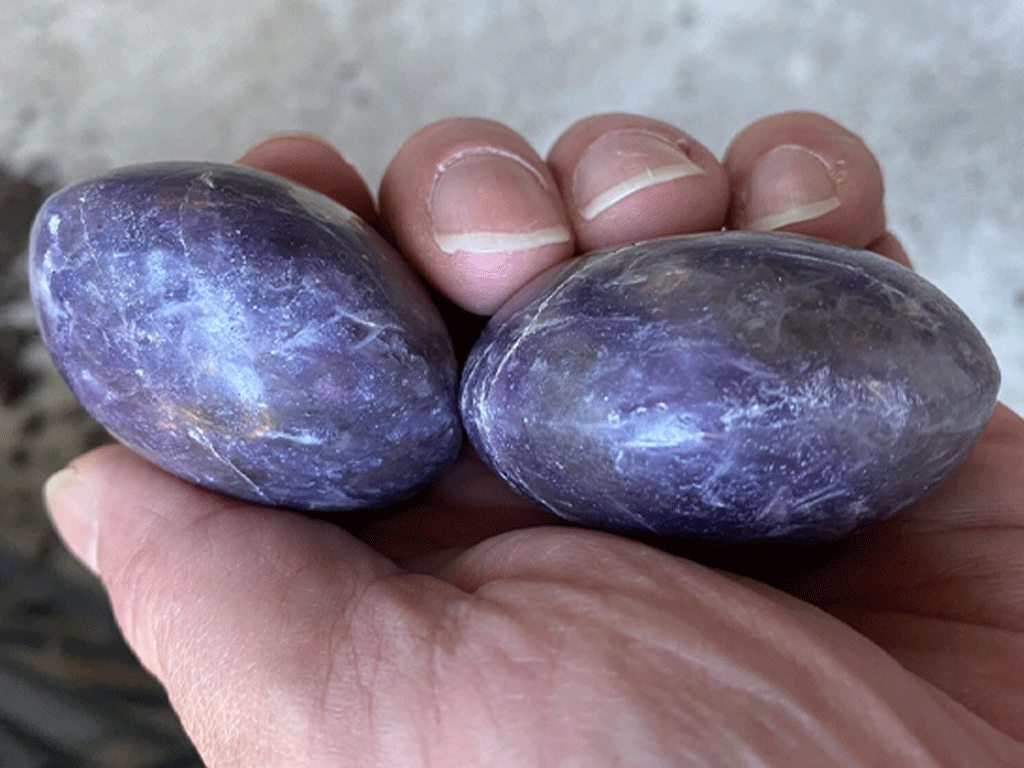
(734,387)
(246,334)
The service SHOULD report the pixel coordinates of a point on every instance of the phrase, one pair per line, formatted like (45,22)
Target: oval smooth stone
(733,386)
(246,334)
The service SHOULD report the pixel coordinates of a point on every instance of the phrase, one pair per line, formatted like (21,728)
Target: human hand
(473,629)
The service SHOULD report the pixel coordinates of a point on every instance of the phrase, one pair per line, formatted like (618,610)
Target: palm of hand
(542,614)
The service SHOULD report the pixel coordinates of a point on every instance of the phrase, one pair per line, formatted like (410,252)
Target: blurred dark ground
(71,693)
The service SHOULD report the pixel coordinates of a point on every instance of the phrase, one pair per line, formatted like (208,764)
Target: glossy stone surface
(246,334)
(732,386)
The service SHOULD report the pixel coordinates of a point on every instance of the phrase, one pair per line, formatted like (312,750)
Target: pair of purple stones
(257,339)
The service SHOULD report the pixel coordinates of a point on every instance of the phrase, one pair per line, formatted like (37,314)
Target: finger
(801,172)
(243,613)
(625,178)
(887,245)
(311,161)
(475,209)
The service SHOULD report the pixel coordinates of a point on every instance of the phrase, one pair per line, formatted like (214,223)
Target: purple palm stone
(246,334)
(732,387)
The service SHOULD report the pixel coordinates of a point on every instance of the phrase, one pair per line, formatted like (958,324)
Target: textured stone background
(937,89)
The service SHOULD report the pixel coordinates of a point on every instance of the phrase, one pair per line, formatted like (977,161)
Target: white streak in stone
(301,438)
(377,331)
(666,433)
(85,229)
(776,509)
(200,438)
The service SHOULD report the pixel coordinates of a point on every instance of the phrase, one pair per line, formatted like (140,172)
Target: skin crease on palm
(471,629)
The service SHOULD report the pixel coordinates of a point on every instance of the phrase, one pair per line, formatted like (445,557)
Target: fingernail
(494,203)
(73,513)
(621,163)
(788,185)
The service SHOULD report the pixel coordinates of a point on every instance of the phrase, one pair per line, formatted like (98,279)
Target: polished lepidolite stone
(732,386)
(246,334)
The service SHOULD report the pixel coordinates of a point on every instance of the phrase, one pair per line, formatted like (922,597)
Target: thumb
(241,612)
